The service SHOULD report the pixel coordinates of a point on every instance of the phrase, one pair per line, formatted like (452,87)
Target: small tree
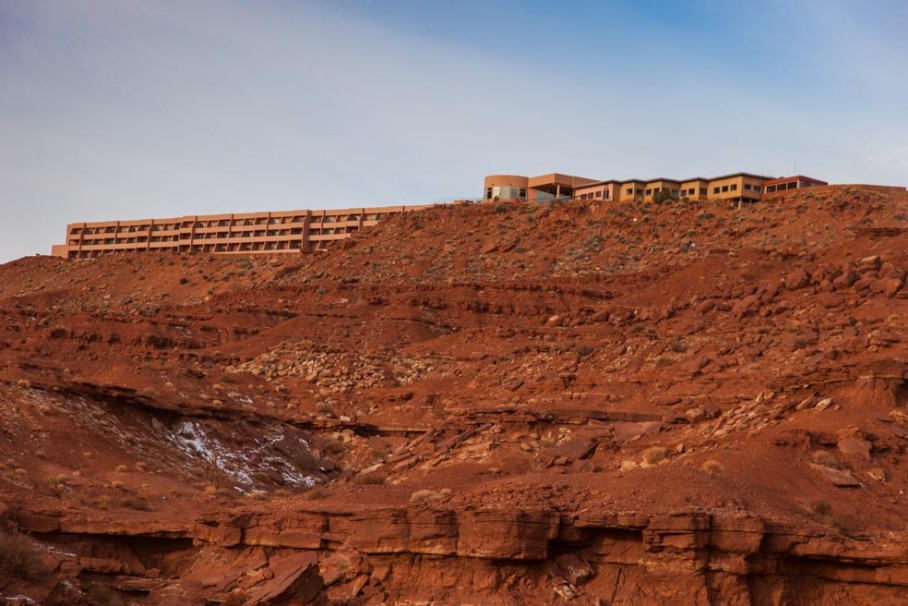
(662,196)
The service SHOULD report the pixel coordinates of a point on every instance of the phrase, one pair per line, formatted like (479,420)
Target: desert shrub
(135,502)
(325,409)
(332,445)
(425,495)
(712,466)
(585,350)
(370,479)
(677,346)
(654,455)
(19,557)
(821,508)
(316,494)
(663,361)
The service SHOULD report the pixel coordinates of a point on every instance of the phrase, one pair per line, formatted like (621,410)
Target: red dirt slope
(595,404)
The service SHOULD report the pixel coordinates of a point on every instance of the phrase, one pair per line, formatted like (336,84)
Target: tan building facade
(796,182)
(604,190)
(294,231)
(542,188)
(696,188)
(631,191)
(739,188)
(652,190)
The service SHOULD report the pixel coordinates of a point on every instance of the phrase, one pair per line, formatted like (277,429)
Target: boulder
(836,477)
(797,279)
(296,580)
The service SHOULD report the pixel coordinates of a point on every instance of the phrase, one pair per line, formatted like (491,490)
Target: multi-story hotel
(299,231)
(740,188)
(265,232)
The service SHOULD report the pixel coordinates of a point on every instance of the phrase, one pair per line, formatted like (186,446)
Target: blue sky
(129,109)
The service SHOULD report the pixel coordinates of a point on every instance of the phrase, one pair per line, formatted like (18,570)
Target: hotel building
(293,231)
(739,188)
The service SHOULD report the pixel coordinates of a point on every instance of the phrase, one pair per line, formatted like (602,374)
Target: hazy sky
(119,109)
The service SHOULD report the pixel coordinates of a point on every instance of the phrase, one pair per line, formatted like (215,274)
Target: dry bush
(821,508)
(423,496)
(712,466)
(316,494)
(135,502)
(19,557)
(370,479)
(332,445)
(325,409)
(654,455)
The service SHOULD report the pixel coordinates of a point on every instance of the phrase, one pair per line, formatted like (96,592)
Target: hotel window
(599,194)
(649,192)
(488,193)
(629,191)
(724,188)
(715,190)
(702,191)
(756,188)
(747,187)
(734,187)
(639,192)
(523,194)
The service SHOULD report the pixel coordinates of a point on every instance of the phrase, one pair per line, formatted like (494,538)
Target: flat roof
(794,178)
(752,175)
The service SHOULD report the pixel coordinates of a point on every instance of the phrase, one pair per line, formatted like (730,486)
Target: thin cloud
(126,110)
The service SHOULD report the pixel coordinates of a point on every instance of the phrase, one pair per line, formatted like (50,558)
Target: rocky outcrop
(596,554)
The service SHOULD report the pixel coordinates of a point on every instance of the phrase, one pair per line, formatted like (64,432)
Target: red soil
(609,390)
